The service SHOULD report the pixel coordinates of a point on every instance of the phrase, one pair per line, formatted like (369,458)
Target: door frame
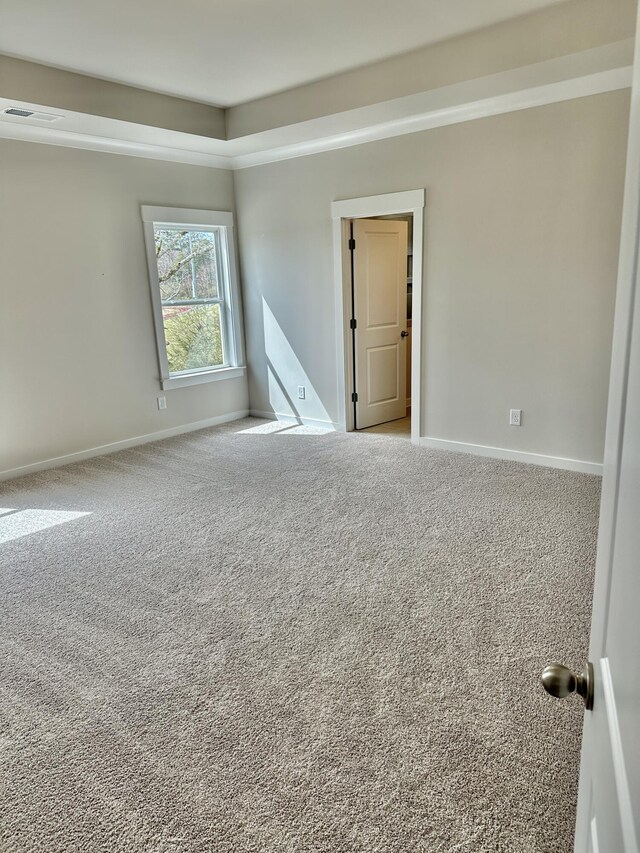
(413,202)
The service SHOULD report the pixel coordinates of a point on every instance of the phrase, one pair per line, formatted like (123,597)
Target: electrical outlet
(162,403)
(301,392)
(515,417)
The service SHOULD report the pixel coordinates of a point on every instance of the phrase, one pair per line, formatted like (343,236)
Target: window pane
(187,267)
(194,337)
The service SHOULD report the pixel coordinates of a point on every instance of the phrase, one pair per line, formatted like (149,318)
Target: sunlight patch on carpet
(284,427)
(17,523)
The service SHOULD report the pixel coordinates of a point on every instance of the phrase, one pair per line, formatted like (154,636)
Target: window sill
(203,376)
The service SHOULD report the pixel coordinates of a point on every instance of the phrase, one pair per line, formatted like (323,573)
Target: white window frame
(220,223)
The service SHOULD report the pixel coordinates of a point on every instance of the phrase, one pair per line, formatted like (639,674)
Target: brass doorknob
(559,681)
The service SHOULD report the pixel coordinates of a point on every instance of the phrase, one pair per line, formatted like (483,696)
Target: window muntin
(194,293)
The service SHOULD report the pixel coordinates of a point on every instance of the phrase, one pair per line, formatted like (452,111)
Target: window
(191,257)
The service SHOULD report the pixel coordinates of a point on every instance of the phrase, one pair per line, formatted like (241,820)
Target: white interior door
(608,819)
(609,807)
(380,311)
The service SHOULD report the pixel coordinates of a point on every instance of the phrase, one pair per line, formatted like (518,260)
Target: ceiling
(226,52)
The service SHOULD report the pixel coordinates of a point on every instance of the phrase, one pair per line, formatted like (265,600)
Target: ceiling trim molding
(592,72)
(571,66)
(592,84)
(112,145)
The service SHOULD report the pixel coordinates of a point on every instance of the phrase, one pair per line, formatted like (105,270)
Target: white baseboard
(436,443)
(58,461)
(294,419)
(514,455)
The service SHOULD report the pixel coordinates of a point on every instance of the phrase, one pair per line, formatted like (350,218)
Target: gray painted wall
(522,228)
(522,231)
(53,87)
(78,367)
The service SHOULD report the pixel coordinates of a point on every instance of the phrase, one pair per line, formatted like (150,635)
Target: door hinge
(354,397)
(352,244)
(354,323)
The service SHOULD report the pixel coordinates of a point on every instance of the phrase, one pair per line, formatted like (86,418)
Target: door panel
(605,829)
(622,646)
(383,367)
(381,259)
(380,305)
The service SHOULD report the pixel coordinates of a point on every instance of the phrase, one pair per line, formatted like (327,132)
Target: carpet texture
(277,640)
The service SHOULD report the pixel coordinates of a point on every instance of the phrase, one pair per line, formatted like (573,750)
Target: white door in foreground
(609,800)
(380,302)
(608,819)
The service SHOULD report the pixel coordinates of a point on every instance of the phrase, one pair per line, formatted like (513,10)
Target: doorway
(378,243)
(381,297)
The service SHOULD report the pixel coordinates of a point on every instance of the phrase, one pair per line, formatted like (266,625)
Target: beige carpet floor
(260,640)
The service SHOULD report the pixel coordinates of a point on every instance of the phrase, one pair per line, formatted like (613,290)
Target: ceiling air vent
(15,111)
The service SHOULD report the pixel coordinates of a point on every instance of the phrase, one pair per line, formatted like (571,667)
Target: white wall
(521,241)
(78,366)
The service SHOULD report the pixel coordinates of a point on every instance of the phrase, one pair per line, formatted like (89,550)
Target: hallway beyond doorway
(400,428)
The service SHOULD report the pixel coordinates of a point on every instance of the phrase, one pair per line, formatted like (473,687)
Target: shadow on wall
(285,374)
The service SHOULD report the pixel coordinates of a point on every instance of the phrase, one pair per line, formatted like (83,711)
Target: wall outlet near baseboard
(515,417)
(162,403)
(301,392)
